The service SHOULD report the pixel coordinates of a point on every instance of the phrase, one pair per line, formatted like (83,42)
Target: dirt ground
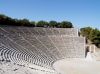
(77,66)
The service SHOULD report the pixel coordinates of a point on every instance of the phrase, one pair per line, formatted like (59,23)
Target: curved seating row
(40,46)
(45,31)
(18,58)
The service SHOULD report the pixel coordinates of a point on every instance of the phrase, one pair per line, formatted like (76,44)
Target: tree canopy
(92,34)
(53,24)
(5,20)
(66,24)
(42,23)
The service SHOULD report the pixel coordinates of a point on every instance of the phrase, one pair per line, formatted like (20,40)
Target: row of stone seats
(11,55)
(75,46)
(57,31)
(59,43)
(54,39)
(11,47)
(34,41)
(9,43)
(35,54)
(45,31)
(28,46)
(51,47)
(72,47)
(48,42)
(64,42)
(42,46)
(37,40)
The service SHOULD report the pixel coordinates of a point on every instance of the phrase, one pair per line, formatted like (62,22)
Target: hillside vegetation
(5,20)
(92,34)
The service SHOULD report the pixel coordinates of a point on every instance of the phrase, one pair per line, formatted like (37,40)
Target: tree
(5,20)
(96,41)
(66,24)
(94,33)
(32,23)
(91,34)
(42,23)
(58,25)
(95,37)
(53,24)
(24,22)
(85,31)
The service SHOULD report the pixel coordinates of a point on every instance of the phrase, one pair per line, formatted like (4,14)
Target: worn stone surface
(11,68)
